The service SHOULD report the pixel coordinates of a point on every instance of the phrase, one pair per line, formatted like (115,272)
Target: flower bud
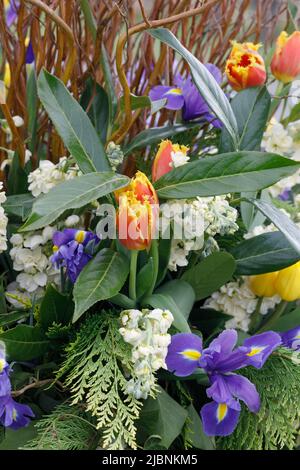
(169,156)
(285,65)
(245,67)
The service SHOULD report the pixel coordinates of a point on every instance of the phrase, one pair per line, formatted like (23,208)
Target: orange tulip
(169,156)
(285,65)
(137,213)
(245,67)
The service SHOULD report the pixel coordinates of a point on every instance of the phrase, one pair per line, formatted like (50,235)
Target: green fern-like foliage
(66,428)
(94,367)
(276,426)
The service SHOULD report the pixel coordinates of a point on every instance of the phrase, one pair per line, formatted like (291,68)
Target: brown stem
(15,133)
(35,384)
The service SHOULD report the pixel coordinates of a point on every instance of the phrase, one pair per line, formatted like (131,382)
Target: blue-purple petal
(184,354)
(29,59)
(219,419)
(172,94)
(14,415)
(258,348)
(291,338)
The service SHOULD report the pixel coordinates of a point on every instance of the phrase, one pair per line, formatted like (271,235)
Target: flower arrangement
(149,234)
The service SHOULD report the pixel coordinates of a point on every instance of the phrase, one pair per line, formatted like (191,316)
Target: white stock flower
(72,220)
(18,121)
(276,139)
(179,158)
(146,332)
(237,300)
(49,175)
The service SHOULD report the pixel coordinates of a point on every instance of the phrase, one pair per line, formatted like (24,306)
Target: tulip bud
(245,67)
(263,285)
(288,283)
(7,75)
(285,65)
(169,156)
(137,213)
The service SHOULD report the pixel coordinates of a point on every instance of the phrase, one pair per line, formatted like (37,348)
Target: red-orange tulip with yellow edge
(287,283)
(285,65)
(137,213)
(168,156)
(245,67)
(263,285)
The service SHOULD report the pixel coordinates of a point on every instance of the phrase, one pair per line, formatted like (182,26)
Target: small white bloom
(18,121)
(72,220)
(179,158)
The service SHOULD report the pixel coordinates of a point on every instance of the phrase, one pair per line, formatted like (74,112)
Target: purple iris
(12,12)
(12,414)
(185,355)
(70,250)
(185,95)
(291,338)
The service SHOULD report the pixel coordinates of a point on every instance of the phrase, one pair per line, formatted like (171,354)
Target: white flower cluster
(49,175)
(284,141)
(237,300)
(30,254)
(147,332)
(3,221)
(192,219)
(179,158)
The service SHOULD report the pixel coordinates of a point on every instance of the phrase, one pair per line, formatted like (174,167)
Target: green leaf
(162,417)
(55,308)
(32,102)
(144,278)
(95,99)
(72,194)
(194,431)
(109,85)
(209,320)
(15,439)
(17,177)
(19,205)
(156,134)
(11,317)
(204,81)
(72,124)
(289,229)
(288,321)
(210,274)
(250,215)
(102,278)
(293,116)
(137,102)
(222,174)
(164,250)
(264,254)
(166,302)
(24,343)
(251,109)
(181,292)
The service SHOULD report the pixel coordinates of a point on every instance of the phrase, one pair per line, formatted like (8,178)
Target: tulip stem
(132,274)
(274,317)
(155,257)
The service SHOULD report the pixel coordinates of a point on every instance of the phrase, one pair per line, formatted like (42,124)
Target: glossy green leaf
(181,292)
(55,308)
(164,250)
(144,278)
(109,85)
(166,302)
(162,416)
(293,116)
(288,321)
(222,174)
(137,102)
(72,124)
(19,205)
(16,439)
(102,278)
(195,433)
(17,177)
(251,109)
(72,194)
(32,104)
(12,317)
(210,274)
(204,81)
(263,254)
(24,343)
(156,134)
(289,229)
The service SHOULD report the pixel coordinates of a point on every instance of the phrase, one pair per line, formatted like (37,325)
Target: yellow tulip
(263,285)
(287,283)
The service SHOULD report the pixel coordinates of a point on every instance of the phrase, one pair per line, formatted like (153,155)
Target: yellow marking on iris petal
(55,248)
(2,365)
(255,350)
(191,354)
(6,3)
(14,414)
(174,91)
(80,235)
(222,411)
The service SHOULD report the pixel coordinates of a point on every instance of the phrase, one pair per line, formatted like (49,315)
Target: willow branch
(35,384)
(119,134)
